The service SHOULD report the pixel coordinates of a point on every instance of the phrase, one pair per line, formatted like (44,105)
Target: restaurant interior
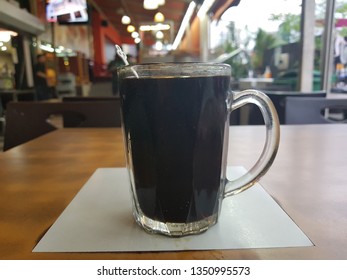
(78,40)
(50,147)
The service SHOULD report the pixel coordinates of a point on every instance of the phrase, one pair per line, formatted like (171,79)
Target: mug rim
(175,68)
(178,63)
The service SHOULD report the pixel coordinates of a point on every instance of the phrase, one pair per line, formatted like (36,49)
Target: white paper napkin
(99,219)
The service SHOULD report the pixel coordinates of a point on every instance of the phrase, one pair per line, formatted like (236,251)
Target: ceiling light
(161,2)
(159,35)
(130,28)
(159,17)
(47,48)
(150,4)
(5,35)
(158,46)
(137,40)
(155,27)
(135,34)
(126,19)
(3,48)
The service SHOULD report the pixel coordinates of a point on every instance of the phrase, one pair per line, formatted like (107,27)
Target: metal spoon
(123,56)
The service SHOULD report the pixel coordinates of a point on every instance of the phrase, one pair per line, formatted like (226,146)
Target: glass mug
(175,120)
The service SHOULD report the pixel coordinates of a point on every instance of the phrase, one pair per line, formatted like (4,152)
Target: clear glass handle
(237,100)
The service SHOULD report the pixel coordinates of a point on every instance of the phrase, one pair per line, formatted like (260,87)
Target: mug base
(174,229)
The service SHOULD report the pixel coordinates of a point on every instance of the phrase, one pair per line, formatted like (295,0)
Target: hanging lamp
(159,17)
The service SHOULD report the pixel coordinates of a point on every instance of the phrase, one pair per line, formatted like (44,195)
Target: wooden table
(308,179)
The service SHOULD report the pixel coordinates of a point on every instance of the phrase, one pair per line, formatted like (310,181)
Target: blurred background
(263,41)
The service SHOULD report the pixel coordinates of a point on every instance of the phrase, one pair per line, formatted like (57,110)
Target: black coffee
(174,129)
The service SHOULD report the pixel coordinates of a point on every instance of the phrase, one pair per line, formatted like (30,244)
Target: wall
(74,37)
(103,35)
(191,41)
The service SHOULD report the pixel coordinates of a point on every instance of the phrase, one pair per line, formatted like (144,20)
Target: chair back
(74,120)
(278,99)
(315,110)
(28,120)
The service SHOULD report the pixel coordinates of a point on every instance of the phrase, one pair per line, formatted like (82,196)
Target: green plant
(240,63)
(289,29)
(263,41)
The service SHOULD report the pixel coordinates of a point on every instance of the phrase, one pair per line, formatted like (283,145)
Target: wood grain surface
(308,179)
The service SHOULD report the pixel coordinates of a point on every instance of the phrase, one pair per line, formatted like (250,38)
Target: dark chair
(28,120)
(73,120)
(278,99)
(2,120)
(89,98)
(16,95)
(315,110)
